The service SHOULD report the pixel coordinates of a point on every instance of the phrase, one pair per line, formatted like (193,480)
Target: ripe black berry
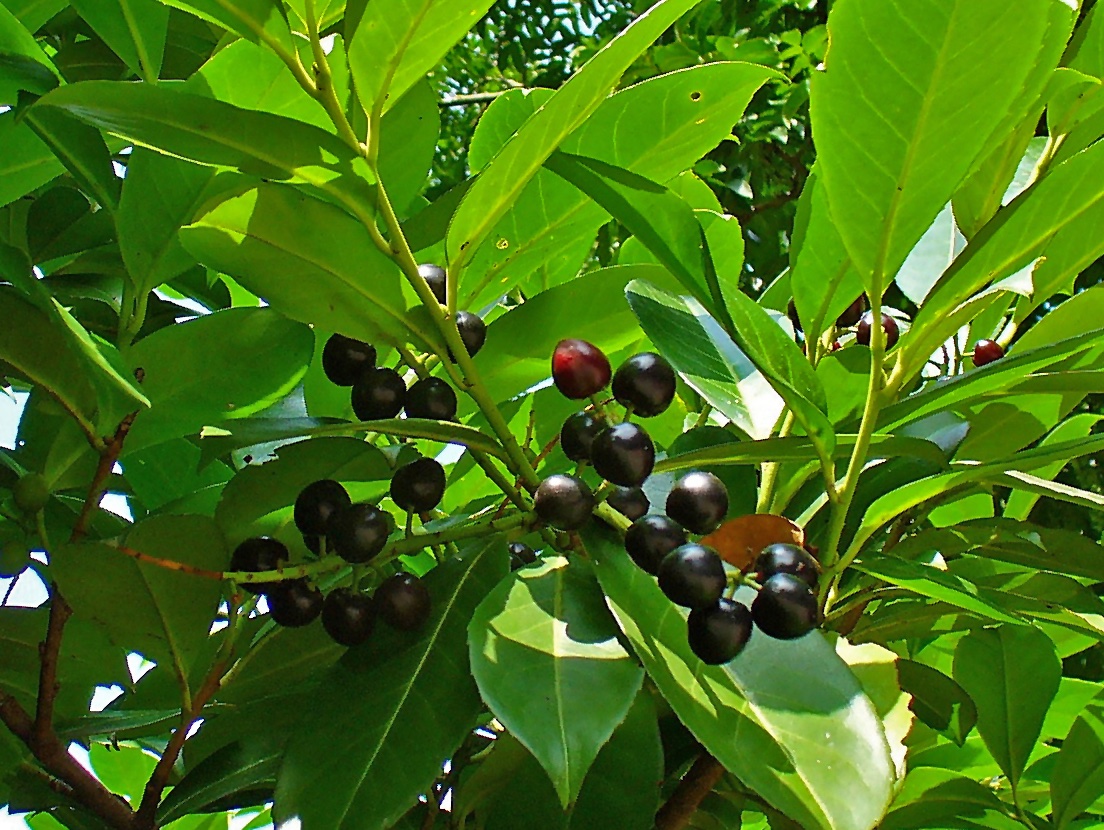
(623,454)
(344,359)
(431,398)
(579,369)
(419,486)
(785,608)
(852,314)
(258,554)
(692,575)
(578,433)
(646,383)
(698,502)
(564,501)
(294,603)
(782,558)
(434,275)
(403,602)
(986,351)
(359,532)
(317,503)
(720,632)
(473,331)
(348,616)
(650,538)
(521,555)
(629,501)
(379,394)
(889,326)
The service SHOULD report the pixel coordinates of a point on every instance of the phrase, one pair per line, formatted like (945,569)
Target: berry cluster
(329,519)
(622,453)
(378,392)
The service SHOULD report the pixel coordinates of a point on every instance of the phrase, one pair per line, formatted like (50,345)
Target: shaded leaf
(937,700)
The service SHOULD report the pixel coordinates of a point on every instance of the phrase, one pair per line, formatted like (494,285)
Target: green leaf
(408,141)
(659,218)
(258,501)
(164,615)
(231,769)
(261,21)
(937,700)
(27,163)
(592,306)
(1020,503)
(752,714)
(82,150)
(792,448)
(1011,673)
(1050,219)
(192,372)
(1078,779)
(118,723)
(267,239)
(706,358)
(656,129)
(273,658)
(397,42)
(893,143)
(160,195)
(543,640)
(933,797)
(22,60)
(215,133)
(134,29)
(511,169)
(934,583)
(395,686)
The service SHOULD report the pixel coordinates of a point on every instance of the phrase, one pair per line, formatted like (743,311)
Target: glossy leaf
(215,133)
(1078,779)
(934,797)
(937,700)
(396,42)
(396,685)
(746,711)
(134,29)
(1078,426)
(888,113)
(261,21)
(545,654)
(233,768)
(500,182)
(1011,673)
(82,150)
(706,358)
(164,615)
(27,163)
(22,58)
(191,371)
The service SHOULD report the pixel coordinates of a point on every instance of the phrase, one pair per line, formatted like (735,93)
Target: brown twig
(698,782)
(170,564)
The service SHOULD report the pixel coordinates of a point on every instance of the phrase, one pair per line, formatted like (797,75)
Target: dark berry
(629,502)
(720,632)
(258,554)
(379,394)
(317,503)
(782,558)
(986,351)
(344,359)
(564,501)
(646,383)
(403,602)
(650,538)
(889,326)
(623,454)
(579,369)
(473,331)
(434,275)
(852,314)
(578,433)
(698,502)
(791,312)
(521,555)
(359,532)
(294,603)
(431,398)
(348,616)
(692,575)
(419,486)
(313,543)
(786,607)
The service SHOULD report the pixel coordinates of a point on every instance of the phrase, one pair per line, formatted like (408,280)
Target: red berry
(889,326)
(986,351)
(580,369)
